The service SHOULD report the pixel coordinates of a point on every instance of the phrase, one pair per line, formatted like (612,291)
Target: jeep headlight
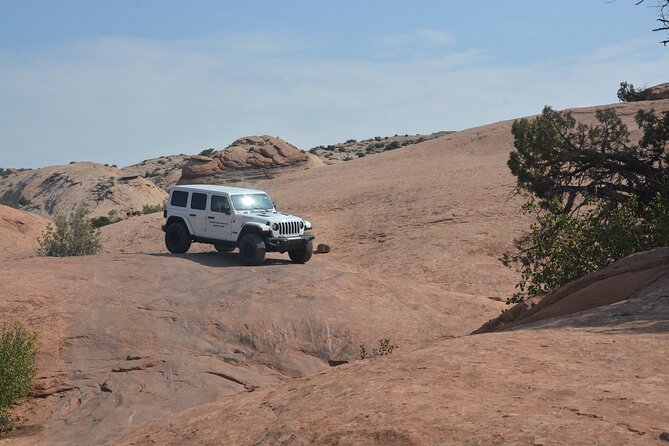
(275,226)
(307,225)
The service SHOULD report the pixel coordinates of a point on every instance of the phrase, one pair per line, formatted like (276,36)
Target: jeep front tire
(252,249)
(303,254)
(177,238)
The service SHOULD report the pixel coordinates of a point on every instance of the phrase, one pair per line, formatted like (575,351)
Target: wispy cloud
(122,100)
(415,44)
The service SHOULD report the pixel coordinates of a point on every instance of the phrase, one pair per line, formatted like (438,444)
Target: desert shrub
(152,209)
(393,145)
(348,158)
(23,201)
(384,348)
(597,197)
(560,247)
(100,221)
(628,93)
(350,141)
(360,154)
(208,152)
(161,161)
(73,235)
(18,352)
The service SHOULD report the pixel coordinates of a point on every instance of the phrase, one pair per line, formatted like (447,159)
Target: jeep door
(219,218)
(197,214)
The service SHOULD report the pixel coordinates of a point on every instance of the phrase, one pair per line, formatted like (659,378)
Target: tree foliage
(558,160)
(18,352)
(208,152)
(628,93)
(597,197)
(560,248)
(73,235)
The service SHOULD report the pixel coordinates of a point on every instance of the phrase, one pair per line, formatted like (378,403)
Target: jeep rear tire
(252,249)
(177,238)
(303,254)
(220,247)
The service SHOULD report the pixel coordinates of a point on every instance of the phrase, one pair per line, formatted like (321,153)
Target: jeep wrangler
(231,217)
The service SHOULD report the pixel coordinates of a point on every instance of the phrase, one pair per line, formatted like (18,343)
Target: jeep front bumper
(288,244)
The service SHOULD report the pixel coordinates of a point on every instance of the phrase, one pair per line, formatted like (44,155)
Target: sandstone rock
(102,189)
(655,93)
(200,166)
(322,248)
(248,159)
(19,229)
(163,171)
(618,282)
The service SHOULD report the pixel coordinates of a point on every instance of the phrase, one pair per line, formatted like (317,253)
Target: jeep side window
(198,201)
(220,203)
(179,198)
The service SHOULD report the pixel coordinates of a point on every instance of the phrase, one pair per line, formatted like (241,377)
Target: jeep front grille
(289,228)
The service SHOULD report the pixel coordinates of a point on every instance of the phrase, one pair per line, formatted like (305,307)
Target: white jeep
(231,217)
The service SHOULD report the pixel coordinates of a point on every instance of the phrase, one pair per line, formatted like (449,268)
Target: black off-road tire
(302,255)
(220,247)
(252,249)
(177,238)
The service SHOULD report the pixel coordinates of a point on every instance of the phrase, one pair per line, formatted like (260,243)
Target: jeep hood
(272,217)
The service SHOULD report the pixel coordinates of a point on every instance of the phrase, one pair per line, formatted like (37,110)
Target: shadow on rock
(221,259)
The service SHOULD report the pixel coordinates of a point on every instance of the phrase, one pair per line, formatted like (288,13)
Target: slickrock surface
(139,346)
(19,230)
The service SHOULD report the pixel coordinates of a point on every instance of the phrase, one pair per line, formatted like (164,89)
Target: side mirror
(275,206)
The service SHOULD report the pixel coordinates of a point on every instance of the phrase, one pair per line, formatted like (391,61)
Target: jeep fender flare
(177,219)
(254,227)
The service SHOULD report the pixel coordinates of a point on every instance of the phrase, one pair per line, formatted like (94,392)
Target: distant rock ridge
(248,159)
(163,171)
(654,93)
(102,189)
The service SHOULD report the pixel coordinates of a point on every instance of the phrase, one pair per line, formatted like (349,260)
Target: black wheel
(177,238)
(302,255)
(220,247)
(252,249)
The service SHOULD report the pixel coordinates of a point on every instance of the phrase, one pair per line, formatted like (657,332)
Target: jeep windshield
(251,202)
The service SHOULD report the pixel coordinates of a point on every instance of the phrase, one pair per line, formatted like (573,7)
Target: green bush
(208,152)
(101,221)
(73,235)
(152,209)
(18,353)
(628,93)
(561,248)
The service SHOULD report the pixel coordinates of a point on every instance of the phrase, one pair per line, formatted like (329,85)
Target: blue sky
(120,81)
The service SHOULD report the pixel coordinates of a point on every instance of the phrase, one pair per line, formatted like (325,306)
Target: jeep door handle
(210,218)
(193,215)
